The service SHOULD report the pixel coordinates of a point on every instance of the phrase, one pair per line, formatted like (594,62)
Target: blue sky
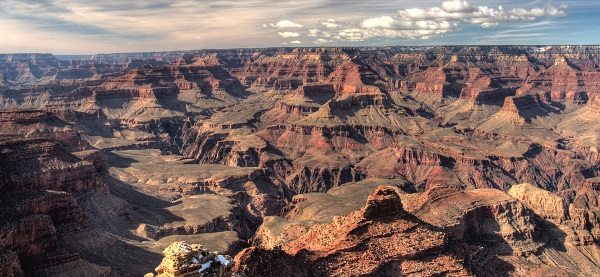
(106,26)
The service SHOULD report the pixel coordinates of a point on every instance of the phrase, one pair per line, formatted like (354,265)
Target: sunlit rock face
(183,259)
(379,239)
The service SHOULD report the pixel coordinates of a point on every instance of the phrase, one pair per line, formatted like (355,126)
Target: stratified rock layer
(379,239)
(112,157)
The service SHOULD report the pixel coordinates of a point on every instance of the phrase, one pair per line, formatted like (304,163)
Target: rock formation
(487,231)
(379,239)
(39,180)
(182,259)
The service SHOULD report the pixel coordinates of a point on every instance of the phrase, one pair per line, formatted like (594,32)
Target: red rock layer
(40,164)
(380,239)
(37,209)
(563,82)
(38,124)
(284,71)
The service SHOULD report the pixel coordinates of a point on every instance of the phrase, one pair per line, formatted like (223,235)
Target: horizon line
(302,47)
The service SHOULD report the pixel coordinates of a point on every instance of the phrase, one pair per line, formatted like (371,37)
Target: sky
(111,26)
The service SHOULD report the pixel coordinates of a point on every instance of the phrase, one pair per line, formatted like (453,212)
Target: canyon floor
(399,161)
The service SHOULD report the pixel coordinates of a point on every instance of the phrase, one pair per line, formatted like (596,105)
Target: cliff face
(10,264)
(480,232)
(379,239)
(40,124)
(289,70)
(40,179)
(41,164)
(580,224)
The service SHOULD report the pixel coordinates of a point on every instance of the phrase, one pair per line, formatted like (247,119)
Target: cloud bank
(82,26)
(423,23)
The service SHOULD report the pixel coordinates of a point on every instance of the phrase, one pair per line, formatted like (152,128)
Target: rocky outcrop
(40,179)
(3,81)
(581,225)
(37,124)
(541,202)
(306,179)
(299,138)
(490,232)
(379,239)
(484,88)
(29,236)
(478,216)
(183,259)
(62,207)
(40,164)
(432,81)
(220,148)
(518,110)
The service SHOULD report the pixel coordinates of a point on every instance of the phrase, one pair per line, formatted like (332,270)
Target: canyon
(374,161)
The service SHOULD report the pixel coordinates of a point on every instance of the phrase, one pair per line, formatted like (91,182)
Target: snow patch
(224,261)
(205,266)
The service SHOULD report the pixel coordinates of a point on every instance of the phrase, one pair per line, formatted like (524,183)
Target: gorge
(372,161)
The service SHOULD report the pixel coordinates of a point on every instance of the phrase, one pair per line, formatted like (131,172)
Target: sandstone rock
(485,215)
(378,239)
(540,201)
(182,259)
(43,164)
(39,124)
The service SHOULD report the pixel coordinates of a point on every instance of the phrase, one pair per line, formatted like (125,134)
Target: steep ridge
(287,70)
(39,181)
(379,239)
(488,231)
(563,82)
(38,123)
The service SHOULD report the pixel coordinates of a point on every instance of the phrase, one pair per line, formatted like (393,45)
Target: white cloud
(83,26)
(461,11)
(321,41)
(286,24)
(295,42)
(425,23)
(420,23)
(289,34)
(353,34)
(314,32)
(330,23)
(488,25)
(456,6)
(378,22)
